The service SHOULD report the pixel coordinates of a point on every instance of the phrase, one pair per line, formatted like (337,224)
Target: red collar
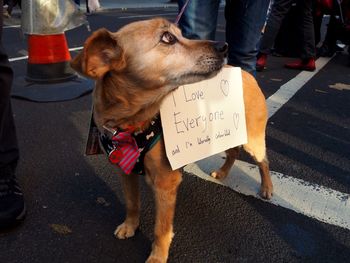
(127,128)
(133,128)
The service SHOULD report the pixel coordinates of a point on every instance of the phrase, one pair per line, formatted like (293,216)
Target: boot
(261,62)
(12,207)
(302,64)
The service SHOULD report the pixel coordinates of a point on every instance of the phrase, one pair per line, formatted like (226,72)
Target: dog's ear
(101,53)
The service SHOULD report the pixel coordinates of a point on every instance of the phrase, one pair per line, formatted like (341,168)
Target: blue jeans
(244,21)
(199,19)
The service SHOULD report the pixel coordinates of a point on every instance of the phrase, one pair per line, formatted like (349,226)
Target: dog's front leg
(165,190)
(132,199)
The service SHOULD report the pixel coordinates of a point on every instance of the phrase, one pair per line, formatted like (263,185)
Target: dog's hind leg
(132,199)
(231,156)
(257,149)
(164,183)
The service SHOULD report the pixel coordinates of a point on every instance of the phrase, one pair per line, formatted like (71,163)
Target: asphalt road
(75,202)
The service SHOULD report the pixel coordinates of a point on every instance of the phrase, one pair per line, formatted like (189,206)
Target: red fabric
(326,4)
(126,151)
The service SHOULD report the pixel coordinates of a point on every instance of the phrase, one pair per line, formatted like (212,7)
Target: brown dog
(134,69)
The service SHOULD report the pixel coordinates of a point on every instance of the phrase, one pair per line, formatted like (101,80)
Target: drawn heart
(236,119)
(225,87)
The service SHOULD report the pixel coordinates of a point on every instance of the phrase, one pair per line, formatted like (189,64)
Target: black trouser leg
(8,141)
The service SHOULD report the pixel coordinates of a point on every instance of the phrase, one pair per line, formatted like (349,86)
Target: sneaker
(302,64)
(12,207)
(261,62)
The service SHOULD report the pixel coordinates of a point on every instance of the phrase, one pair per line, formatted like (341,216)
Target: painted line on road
(18,58)
(312,200)
(318,202)
(287,90)
(11,26)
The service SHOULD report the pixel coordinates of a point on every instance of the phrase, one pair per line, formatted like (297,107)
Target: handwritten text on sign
(204,118)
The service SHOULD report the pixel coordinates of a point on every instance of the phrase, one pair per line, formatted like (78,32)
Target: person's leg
(8,140)
(329,44)
(244,22)
(87,6)
(308,52)
(308,33)
(12,207)
(279,10)
(199,18)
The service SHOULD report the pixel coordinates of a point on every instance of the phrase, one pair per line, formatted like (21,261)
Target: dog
(134,69)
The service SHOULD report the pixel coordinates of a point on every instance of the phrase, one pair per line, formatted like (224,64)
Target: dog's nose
(221,47)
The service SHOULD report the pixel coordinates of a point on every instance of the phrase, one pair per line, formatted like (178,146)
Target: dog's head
(151,54)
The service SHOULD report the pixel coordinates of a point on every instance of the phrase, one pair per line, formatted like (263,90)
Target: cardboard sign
(204,118)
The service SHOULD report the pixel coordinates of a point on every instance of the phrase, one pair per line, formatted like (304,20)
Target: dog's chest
(126,152)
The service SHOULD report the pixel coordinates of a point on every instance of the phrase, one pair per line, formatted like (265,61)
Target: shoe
(328,50)
(325,51)
(261,62)
(305,64)
(12,207)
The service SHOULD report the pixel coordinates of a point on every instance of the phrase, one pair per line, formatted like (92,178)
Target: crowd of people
(249,49)
(251,29)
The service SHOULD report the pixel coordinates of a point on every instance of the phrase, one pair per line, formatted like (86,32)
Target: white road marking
(287,90)
(18,58)
(11,26)
(312,200)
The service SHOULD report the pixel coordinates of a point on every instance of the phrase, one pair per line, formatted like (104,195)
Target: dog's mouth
(198,76)
(204,69)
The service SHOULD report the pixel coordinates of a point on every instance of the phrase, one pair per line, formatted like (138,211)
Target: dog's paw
(153,259)
(219,174)
(266,192)
(125,230)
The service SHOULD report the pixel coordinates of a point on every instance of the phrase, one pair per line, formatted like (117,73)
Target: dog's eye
(168,38)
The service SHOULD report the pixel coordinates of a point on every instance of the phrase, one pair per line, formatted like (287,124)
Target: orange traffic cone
(49,76)
(48,59)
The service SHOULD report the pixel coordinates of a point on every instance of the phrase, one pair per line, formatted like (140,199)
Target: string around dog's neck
(176,22)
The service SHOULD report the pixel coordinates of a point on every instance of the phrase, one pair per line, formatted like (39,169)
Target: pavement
(75,201)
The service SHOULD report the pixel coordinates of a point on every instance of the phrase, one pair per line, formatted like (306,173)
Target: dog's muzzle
(221,48)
